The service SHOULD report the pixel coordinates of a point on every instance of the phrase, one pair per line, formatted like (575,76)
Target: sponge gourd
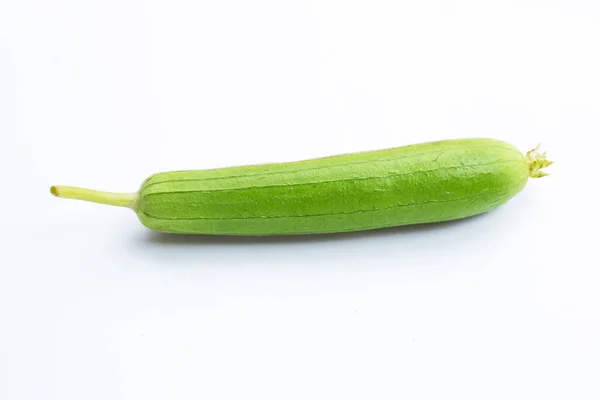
(415,184)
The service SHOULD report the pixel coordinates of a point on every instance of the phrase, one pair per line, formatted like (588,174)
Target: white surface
(102,94)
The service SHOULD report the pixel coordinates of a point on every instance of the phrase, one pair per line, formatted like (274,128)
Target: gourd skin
(429,182)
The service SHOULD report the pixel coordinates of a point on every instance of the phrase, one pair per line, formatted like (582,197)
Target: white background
(104,93)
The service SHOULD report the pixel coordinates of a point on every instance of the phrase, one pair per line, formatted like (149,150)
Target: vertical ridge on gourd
(429,182)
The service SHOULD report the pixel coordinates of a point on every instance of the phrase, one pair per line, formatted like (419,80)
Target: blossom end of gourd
(537,161)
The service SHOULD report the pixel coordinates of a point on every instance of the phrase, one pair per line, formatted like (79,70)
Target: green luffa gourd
(423,183)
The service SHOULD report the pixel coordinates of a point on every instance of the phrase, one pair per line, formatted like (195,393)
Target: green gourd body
(423,183)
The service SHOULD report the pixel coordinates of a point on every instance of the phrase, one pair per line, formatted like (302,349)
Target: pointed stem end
(112,199)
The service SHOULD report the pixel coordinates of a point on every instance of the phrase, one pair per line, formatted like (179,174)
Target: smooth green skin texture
(424,183)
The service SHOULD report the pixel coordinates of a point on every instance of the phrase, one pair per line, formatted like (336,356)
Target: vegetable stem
(95,196)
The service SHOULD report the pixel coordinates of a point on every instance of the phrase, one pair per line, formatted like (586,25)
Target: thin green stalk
(95,196)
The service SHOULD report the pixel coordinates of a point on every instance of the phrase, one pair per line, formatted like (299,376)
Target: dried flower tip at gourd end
(537,162)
